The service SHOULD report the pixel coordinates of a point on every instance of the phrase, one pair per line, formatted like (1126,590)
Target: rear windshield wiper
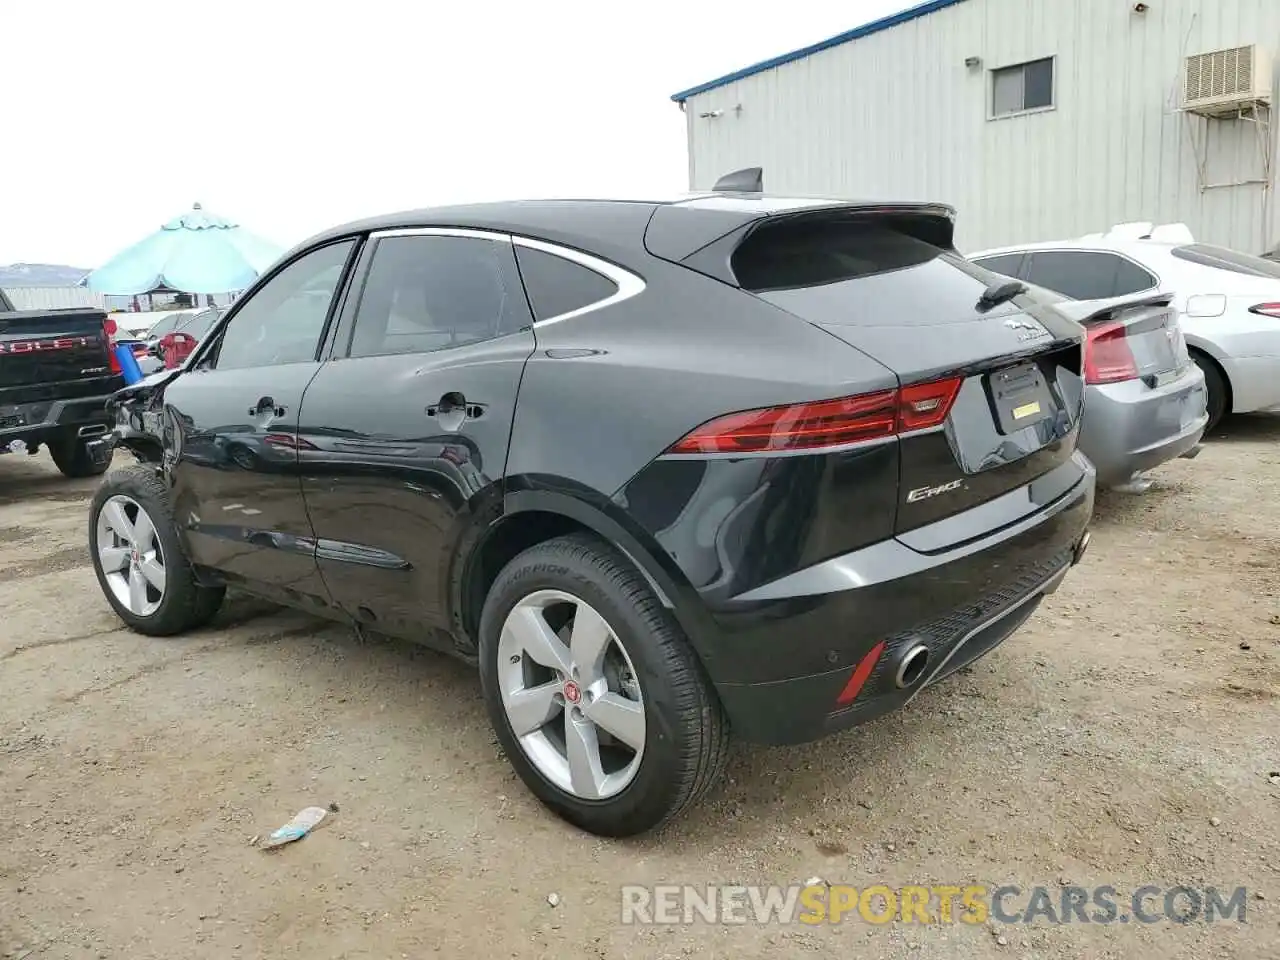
(1000,292)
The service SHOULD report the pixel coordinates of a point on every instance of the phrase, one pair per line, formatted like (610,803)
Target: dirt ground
(1126,736)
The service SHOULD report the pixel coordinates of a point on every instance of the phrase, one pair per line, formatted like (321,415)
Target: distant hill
(40,275)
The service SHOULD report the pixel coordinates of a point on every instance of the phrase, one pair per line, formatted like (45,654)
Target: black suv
(661,470)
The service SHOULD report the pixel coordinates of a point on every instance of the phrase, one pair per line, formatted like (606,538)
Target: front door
(233,418)
(404,434)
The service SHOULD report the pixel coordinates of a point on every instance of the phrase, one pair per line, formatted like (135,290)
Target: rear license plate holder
(1020,397)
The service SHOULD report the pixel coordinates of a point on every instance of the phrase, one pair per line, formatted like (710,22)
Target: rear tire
(634,673)
(71,455)
(138,557)
(1216,386)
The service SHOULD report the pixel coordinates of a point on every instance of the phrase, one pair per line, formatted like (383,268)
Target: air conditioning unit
(1221,82)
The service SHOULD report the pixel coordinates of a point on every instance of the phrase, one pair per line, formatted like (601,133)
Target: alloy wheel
(130,556)
(571,695)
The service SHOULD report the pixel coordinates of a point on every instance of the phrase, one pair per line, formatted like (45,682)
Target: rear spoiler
(703,233)
(1088,312)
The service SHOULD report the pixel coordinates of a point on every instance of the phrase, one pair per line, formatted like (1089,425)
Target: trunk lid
(1134,338)
(40,349)
(882,284)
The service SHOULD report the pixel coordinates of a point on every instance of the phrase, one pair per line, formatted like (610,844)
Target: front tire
(595,694)
(71,456)
(138,558)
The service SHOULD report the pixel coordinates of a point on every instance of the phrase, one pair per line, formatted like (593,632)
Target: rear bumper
(33,422)
(1129,427)
(956,605)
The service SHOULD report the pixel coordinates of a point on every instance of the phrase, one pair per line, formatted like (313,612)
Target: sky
(290,117)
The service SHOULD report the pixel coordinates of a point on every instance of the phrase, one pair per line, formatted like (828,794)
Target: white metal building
(1036,119)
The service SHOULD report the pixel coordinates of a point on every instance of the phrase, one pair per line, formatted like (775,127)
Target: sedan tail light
(826,423)
(1266,310)
(1107,357)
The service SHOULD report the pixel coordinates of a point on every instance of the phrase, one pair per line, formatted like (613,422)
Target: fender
(597,519)
(603,517)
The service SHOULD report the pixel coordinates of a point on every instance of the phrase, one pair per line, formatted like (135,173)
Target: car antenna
(746,180)
(1000,292)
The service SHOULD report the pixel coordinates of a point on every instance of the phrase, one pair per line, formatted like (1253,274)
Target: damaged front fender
(137,410)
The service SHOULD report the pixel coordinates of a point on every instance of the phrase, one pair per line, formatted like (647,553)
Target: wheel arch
(1195,347)
(529,516)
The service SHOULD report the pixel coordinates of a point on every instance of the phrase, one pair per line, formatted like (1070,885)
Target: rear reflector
(826,423)
(1107,357)
(1266,310)
(859,675)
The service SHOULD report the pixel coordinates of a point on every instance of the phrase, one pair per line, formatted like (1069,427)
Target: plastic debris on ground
(297,828)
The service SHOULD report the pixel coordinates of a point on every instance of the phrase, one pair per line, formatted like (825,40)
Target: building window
(1023,87)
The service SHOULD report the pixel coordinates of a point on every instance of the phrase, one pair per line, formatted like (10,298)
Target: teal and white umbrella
(198,252)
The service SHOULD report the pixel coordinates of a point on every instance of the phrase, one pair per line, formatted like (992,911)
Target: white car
(1228,303)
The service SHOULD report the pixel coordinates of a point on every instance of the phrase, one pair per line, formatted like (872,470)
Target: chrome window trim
(628,284)
(442,232)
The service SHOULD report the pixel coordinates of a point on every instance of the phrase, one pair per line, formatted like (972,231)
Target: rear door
(1011,366)
(233,419)
(404,434)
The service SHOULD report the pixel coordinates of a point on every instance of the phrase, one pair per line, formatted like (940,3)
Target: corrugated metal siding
(898,115)
(52,298)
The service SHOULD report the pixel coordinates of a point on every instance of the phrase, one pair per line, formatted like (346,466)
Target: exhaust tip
(911,666)
(1081,548)
(93,430)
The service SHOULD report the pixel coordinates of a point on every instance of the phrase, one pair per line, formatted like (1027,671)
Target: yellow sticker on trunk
(1026,410)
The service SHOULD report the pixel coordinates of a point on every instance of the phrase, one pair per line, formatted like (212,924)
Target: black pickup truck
(56,373)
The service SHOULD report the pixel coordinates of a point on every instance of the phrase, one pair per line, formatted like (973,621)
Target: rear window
(200,324)
(1220,258)
(862,273)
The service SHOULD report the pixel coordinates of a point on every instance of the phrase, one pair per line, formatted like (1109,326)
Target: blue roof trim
(884,23)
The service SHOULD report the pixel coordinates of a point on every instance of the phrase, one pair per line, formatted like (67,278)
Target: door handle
(456,404)
(266,405)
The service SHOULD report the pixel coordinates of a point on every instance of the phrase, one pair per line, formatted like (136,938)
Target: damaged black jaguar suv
(661,470)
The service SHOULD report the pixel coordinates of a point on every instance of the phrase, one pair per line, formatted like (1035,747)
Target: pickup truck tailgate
(43,347)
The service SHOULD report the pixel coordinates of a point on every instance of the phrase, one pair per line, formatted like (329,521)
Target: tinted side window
(1220,258)
(1080,275)
(1131,278)
(1006,263)
(557,286)
(284,320)
(427,293)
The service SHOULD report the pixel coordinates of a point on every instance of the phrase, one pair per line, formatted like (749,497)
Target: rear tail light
(826,423)
(109,329)
(1266,310)
(1107,357)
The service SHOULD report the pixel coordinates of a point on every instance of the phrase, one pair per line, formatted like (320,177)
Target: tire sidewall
(654,785)
(1216,389)
(71,456)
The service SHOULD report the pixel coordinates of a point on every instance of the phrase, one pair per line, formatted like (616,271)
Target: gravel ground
(1125,736)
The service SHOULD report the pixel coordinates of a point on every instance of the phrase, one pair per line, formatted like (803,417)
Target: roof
(618,230)
(1121,236)
(857,33)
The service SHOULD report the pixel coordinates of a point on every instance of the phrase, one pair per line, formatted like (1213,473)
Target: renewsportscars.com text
(820,903)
